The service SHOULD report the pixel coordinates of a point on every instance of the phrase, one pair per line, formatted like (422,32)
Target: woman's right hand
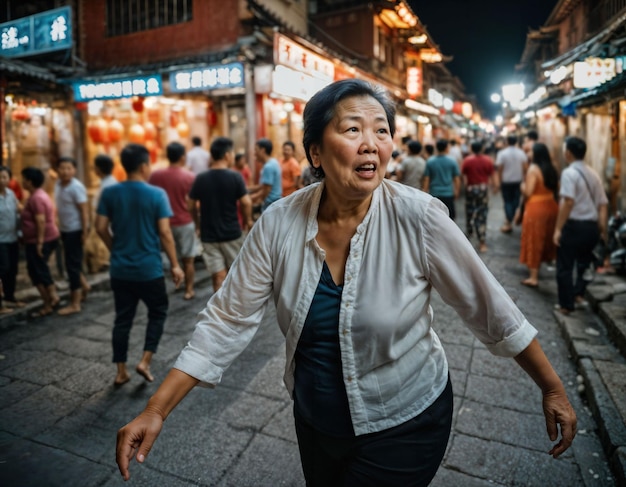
(136,439)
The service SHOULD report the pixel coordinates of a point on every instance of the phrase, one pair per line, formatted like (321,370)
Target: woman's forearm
(535,363)
(174,388)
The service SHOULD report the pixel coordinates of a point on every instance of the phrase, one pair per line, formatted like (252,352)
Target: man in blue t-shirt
(442,177)
(270,188)
(138,215)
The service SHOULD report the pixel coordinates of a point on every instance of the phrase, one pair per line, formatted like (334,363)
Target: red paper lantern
(81,106)
(98,131)
(138,104)
(173,119)
(137,134)
(183,130)
(116,130)
(151,131)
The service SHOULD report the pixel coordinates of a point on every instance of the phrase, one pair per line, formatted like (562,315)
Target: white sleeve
(464,282)
(232,316)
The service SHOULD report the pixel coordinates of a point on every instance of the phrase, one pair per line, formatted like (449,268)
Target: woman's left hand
(559,415)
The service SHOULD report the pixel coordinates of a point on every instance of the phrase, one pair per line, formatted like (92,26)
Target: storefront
(36,122)
(154,110)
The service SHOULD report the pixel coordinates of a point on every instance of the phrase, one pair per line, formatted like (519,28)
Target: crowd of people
(321,253)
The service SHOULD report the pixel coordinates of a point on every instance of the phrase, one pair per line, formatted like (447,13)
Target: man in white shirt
(580,223)
(197,158)
(511,164)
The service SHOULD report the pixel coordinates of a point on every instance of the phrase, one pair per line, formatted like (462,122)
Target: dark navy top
(320,394)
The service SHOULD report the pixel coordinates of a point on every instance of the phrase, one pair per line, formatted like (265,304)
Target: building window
(127,16)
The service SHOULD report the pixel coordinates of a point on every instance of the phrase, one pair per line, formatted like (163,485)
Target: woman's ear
(314,152)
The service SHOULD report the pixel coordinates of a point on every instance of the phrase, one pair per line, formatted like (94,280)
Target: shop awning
(22,68)
(586,47)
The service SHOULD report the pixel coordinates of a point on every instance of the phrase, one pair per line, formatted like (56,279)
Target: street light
(496,98)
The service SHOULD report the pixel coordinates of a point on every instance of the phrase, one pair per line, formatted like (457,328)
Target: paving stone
(251,411)
(282,425)
(458,356)
(27,464)
(266,461)
(204,453)
(47,368)
(614,377)
(14,391)
(510,465)
(27,417)
(448,478)
(524,396)
(511,427)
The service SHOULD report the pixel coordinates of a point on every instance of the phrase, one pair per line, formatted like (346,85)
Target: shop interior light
(419,39)
(94,107)
(9,100)
(423,120)
(558,75)
(288,107)
(496,98)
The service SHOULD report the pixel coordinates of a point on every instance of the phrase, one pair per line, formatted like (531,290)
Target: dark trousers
(127,295)
(407,455)
(37,266)
(449,202)
(476,210)
(578,238)
(9,257)
(73,255)
(511,194)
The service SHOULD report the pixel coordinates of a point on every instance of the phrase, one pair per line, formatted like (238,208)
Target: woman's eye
(353,129)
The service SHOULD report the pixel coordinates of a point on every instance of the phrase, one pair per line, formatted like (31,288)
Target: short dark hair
(133,156)
(104,163)
(395,154)
(442,145)
(414,146)
(174,152)
(511,139)
(452,141)
(477,146)
(34,175)
(430,149)
(406,139)
(239,156)
(220,146)
(532,135)
(290,144)
(7,170)
(195,140)
(69,159)
(320,110)
(577,147)
(266,145)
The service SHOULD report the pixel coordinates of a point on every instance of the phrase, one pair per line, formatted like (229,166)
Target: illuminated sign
(118,88)
(414,81)
(421,107)
(593,72)
(288,82)
(36,34)
(435,97)
(293,55)
(209,78)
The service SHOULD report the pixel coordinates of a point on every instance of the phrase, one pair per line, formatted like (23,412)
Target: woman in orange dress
(541,208)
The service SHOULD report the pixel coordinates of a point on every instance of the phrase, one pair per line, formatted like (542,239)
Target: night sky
(485,37)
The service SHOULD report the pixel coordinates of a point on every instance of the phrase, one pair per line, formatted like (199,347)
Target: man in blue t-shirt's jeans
(270,188)
(138,217)
(442,177)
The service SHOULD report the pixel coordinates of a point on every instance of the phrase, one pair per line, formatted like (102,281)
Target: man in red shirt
(176,180)
(478,173)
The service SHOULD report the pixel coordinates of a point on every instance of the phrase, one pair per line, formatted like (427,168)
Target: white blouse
(393,363)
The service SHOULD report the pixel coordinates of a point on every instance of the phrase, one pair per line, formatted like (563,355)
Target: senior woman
(350,264)
(41,237)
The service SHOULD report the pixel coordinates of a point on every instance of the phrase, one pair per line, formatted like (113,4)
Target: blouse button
(349,378)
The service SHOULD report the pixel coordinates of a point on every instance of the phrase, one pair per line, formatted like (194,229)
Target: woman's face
(356,147)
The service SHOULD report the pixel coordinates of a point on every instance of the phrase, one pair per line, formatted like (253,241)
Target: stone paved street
(59,411)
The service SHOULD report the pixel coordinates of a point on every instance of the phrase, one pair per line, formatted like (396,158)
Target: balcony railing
(603,13)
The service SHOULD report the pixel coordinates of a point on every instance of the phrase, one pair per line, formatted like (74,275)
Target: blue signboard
(208,78)
(36,34)
(85,90)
